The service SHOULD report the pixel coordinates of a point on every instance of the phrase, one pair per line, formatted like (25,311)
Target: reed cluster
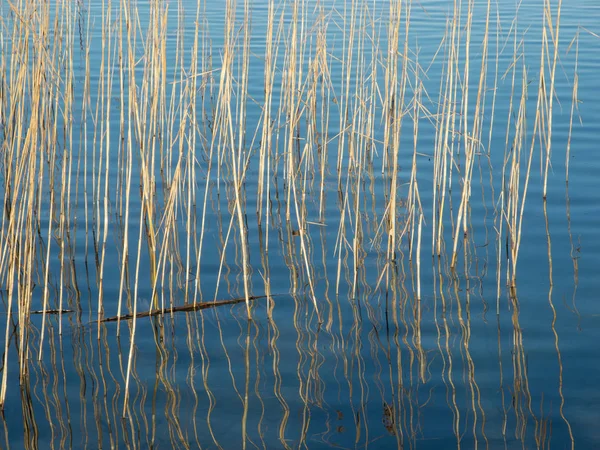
(136,149)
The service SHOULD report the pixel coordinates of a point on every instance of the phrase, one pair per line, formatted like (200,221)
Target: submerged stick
(183,308)
(52,311)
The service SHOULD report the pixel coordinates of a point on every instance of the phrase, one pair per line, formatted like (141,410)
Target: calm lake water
(400,353)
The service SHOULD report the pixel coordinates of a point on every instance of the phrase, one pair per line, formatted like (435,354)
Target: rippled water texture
(394,205)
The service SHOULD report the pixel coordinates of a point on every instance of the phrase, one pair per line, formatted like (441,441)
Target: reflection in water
(133,152)
(250,392)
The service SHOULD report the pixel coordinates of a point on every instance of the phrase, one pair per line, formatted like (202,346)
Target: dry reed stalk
(293,83)
(25,167)
(341,238)
(540,129)
(323,72)
(84,137)
(574,104)
(474,138)
(145,113)
(348,39)
(514,222)
(267,125)
(222,136)
(66,23)
(290,93)
(414,207)
(238,172)
(128,143)
(47,265)
(212,147)
(413,202)
(191,157)
(168,228)
(554,30)
(175,114)
(446,143)
(147,118)
(502,215)
(419,314)
(48,147)
(301,222)
(395,103)
(356,147)
(414,198)
(28,133)
(454,144)
(437,149)
(106,101)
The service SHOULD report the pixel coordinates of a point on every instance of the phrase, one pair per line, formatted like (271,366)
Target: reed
(139,153)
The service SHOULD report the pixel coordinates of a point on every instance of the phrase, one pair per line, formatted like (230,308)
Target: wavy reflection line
(556,346)
(396,377)
(192,332)
(205,368)
(278,382)
(104,364)
(447,370)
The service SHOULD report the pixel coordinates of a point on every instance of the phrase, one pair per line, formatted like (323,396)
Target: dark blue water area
(459,376)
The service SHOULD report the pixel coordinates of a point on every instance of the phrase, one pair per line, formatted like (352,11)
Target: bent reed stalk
(177,134)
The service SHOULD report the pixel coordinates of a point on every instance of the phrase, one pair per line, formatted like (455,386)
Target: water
(382,368)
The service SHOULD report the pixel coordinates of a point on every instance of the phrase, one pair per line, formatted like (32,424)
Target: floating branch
(53,311)
(183,308)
